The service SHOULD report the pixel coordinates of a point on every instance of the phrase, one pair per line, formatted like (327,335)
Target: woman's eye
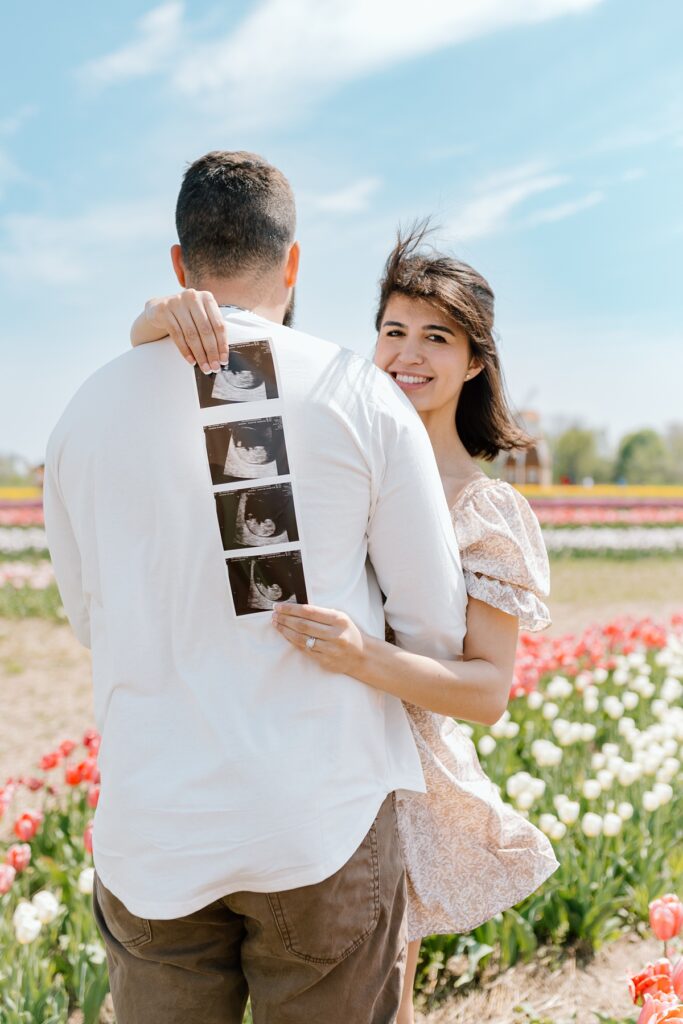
(438,338)
(394,334)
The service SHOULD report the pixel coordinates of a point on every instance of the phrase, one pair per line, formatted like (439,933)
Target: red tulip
(19,856)
(93,796)
(32,783)
(666,916)
(677,978)
(72,775)
(27,824)
(66,746)
(652,980)
(7,876)
(91,740)
(49,761)
(87,837)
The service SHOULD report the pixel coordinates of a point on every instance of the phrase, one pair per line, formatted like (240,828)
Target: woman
(468,854)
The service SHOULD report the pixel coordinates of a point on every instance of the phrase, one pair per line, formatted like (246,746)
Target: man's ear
(178,264)
(292,265)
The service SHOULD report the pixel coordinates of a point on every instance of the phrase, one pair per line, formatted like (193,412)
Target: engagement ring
(310,643)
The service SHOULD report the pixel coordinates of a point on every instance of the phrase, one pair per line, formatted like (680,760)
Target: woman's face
(426,352)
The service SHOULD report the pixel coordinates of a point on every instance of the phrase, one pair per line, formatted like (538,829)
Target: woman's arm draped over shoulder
(192,320)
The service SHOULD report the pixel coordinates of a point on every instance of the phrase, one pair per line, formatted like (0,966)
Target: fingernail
(190,360)
(224,357)
(215,367)
(206,368)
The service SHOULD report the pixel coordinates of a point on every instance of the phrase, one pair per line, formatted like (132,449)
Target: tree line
(640,457)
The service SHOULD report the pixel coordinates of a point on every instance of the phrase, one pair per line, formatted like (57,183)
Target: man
(245,838)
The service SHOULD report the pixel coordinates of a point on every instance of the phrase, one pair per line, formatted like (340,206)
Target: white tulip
(620,677)
(591,705)
(659,707)
(664,792)
(672,689)
(672,764)
(591,691)
(670,747)
(95,952)
(611,824)
(516,783)
(525,800)
(545,753)
(588,732)
(558,831)
(550,710)
(498,728)
(605,778)
(591,789)
(582,680)
(613,707)
(511,730)
(466,728)
(559,687)
(86,881)
(636,658)
(610,749)
(560,799)
(614,763)
(600,675)
(569,812)
(560,726)
(591,824)
(626,726)
(546,822)
(537,787)
(486,745)
(630,700)
(598,760)
(650,801)
(26,923)
(534,700)
(625,810)
(46,906)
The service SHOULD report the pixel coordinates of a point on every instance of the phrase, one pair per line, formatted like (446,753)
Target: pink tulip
(19,856)
(666,916)
(655,1006)
(7,876)
(87,837)
(677,978)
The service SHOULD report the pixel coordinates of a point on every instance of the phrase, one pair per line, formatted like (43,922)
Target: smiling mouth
(411,379)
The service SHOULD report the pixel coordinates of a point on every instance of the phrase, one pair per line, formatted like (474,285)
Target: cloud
(287,54)
(564,210)
(489,210)
(156,40)
(352,199)
(12,123)
(65,251)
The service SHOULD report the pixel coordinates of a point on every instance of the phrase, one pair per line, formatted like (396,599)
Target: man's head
(236,218)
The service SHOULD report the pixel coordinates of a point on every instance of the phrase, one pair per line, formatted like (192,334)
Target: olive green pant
(332,953)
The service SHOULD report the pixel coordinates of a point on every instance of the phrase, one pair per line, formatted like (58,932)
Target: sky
(545,138)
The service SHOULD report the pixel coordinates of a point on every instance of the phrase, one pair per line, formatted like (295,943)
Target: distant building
(533,465)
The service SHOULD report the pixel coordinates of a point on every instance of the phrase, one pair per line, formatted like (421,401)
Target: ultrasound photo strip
(250,376)
(257,582)
(257,517)
(246,450)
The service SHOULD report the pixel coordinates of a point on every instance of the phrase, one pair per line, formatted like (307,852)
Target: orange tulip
(652,980)
(677,978)
(675,1013)
(655,1006)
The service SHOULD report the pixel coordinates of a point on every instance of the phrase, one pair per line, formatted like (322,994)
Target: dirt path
(555,995)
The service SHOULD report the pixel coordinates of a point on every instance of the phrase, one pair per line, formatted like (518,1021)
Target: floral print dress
(468,853)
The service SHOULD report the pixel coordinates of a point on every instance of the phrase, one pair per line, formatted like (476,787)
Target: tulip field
(589,749)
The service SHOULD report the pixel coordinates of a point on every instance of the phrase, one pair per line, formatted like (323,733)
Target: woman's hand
(339,644)
(194,322)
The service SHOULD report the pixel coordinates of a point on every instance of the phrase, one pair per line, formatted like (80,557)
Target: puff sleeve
(503,555)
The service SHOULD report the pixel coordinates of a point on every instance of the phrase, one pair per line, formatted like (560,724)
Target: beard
(288,318)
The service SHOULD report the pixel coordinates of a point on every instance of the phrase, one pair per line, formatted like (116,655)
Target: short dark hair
(483,418)
(235,214)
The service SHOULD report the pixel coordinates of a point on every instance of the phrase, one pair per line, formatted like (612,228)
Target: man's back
(229,760)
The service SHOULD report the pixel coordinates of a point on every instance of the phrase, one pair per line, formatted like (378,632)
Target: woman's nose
(411,351)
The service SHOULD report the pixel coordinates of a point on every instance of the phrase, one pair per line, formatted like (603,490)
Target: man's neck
(243,295)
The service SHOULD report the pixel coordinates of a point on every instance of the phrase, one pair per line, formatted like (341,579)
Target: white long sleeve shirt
(229,760)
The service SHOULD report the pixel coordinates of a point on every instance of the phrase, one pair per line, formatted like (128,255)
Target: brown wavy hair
(483,418)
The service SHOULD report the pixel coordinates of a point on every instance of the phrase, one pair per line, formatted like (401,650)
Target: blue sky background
(545,136)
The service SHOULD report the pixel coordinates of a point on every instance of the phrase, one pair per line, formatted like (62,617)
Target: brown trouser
(333,952)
